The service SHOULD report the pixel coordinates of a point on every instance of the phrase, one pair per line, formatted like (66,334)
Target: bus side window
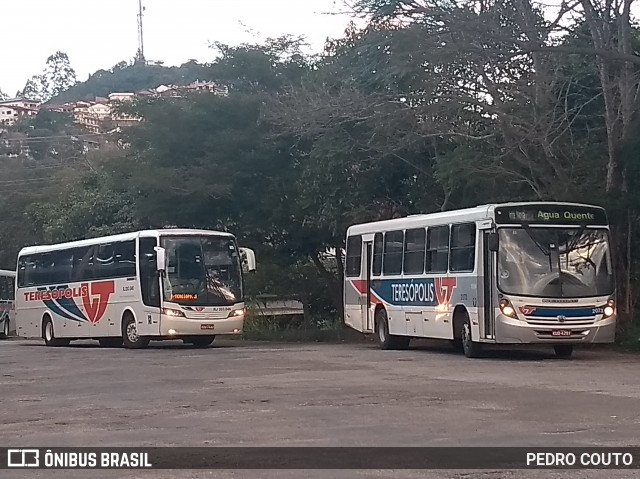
(392,256)
(377,255)
(62,264)
(124,259)
(437,249)
(4,293)
(354,256)
(414,251)
(83,263)
(463,247)
(22,268)
(149,284)
(12,291)
(43,268)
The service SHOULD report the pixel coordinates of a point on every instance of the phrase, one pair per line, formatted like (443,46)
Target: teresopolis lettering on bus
(61,300)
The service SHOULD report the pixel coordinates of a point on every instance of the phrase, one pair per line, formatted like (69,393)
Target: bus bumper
(516,331)
(176,327)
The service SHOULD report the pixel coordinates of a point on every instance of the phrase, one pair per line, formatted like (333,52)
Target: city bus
(7,303)
(133,288)
(511,273)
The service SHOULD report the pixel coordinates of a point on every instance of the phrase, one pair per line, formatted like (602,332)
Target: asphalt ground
(238,393)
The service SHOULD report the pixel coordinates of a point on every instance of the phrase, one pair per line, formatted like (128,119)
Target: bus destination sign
(551,214)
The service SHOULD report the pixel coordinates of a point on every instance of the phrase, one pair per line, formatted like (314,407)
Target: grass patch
(295,328)
(629,338)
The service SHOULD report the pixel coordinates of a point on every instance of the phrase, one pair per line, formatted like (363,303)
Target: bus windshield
(202,271)
(555,262)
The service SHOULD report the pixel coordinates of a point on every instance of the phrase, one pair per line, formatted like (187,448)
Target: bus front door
(487,280)
(365,301)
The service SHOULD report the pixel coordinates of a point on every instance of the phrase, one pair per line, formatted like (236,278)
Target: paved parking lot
(239,393)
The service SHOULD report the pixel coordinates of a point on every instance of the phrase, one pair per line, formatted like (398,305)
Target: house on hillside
(14,109)
(91,115)
(121,96)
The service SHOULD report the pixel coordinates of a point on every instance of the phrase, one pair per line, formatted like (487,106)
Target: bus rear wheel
(130,336)
(110,342)
(5,329)
(563,351)
(49,335)
(200,341)
(386,340)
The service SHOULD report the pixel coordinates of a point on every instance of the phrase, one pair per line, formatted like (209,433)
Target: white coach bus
(7,303)
(132,288)
(513,273)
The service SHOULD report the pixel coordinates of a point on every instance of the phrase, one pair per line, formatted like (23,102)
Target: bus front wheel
(130,336)
(471,348)
(386,340)
(49,335)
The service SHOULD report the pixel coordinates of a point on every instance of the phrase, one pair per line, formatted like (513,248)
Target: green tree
(58,76)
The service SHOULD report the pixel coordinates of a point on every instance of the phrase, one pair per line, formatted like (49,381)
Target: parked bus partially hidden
(133,288)
(513,273)
(7,302)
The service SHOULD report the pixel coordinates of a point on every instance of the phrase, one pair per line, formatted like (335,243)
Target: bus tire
(4,334)
(563,351)
(110,342)
(130,337)
(49,336)
(471,348)
(201,341)
(388,341)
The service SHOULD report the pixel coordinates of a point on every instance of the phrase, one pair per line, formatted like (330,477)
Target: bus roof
(6,272)
(122,237)
(452,216)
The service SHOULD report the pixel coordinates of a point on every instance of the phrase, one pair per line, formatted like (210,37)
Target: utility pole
(140,55)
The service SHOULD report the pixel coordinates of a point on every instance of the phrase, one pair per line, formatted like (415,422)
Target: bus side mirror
(248,259)
(161,258)
(494,242)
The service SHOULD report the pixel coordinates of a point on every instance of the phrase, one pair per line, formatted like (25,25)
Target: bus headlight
(507,309)
(609,309)
(175,313)
(237,313)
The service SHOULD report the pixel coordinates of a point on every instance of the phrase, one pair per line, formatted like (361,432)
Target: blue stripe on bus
(56,309)
(568,313)
(70,306)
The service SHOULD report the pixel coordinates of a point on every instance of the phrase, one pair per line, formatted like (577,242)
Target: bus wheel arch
(130,337)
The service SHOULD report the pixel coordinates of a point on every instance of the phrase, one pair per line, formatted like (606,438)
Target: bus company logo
(61,300)
(444,289)
(527,310)
(199,309)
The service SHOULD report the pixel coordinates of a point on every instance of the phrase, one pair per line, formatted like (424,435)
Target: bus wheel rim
(6,327)
(466,334)
(132,332)
(48,331)
(381,333)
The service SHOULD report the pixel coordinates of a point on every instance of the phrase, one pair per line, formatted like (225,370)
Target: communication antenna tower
(140,54)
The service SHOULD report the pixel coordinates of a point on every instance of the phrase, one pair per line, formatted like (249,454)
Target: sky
(97,34)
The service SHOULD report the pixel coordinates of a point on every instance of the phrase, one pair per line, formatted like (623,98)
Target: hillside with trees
(133,77)
(434,105)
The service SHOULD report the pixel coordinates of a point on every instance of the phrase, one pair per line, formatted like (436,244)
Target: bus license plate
(560,332)
(207,326)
